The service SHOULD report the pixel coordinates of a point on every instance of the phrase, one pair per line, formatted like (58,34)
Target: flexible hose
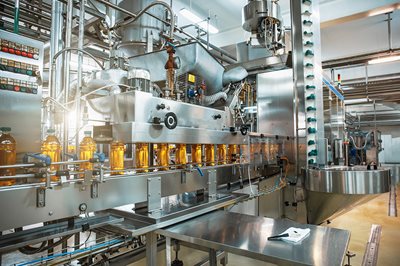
(365,143)
(208,100)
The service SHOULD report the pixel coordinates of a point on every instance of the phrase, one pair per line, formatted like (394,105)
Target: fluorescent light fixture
(197,20)
(356,101)
(384,59)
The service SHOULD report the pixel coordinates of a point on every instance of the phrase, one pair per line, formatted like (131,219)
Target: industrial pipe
(79,50)
(66,68)
(81,36)
(55,46)
(16,17)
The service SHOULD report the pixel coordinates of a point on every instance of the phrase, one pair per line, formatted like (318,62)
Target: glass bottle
(163,155)
(8,155)
(52,148)
(221,154)
(180,155)
(232,152)
(87,148)
(142,157)
(117,157)
(196,154)
(210,154)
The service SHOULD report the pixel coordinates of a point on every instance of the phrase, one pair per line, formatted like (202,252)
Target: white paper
(296,234)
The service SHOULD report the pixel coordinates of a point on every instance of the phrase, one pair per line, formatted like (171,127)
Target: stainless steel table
(247,236)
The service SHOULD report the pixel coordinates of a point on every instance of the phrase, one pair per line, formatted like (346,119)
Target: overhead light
(197,20)
(356,101)
(384,59)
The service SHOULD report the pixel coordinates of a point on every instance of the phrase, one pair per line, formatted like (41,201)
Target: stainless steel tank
(139,35)
(263,19)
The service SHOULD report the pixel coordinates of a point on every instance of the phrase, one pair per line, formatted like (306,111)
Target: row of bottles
(225,154)
(51,147)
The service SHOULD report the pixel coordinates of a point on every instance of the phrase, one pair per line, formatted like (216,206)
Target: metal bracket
(371,251)
(41,197)
(154,194)
(212,183)
(94,190)
(87,179)
(183,177)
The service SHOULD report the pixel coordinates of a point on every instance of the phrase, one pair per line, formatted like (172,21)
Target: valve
(98,158)
(45,160)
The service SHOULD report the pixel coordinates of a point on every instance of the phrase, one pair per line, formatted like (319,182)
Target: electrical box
(21,63)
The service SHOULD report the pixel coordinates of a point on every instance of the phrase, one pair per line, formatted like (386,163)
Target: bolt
(50,213)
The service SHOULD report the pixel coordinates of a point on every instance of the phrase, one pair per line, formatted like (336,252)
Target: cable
(28,250)
(84,243)
(365,143)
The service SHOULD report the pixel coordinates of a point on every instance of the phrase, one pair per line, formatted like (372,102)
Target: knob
(160,106)
(243,130)
(217,117)
(171,121)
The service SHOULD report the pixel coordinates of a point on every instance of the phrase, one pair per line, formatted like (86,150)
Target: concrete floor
(358,221)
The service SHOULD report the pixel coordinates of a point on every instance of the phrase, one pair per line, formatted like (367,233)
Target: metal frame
(130,189)
(210,231)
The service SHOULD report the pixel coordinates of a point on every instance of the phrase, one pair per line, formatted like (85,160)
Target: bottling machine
(172,133)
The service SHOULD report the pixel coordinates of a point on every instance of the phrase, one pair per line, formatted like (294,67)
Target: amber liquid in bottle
(232,152)
(142,157)
(117,157)
(163,155)
(87,148)
(52,148)
(196,154)
(221,154)
(180,156)
(210,154)
(8,155)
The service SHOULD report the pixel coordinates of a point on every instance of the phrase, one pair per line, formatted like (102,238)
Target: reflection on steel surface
(335,190)
(247,236)
(348,180)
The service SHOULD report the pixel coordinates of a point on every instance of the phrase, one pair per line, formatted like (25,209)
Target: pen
(277,237)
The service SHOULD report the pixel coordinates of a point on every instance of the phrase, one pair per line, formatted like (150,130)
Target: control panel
(21,64)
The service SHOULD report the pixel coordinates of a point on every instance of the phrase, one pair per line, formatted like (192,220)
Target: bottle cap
(51,130)
(5,129)
(88,132)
